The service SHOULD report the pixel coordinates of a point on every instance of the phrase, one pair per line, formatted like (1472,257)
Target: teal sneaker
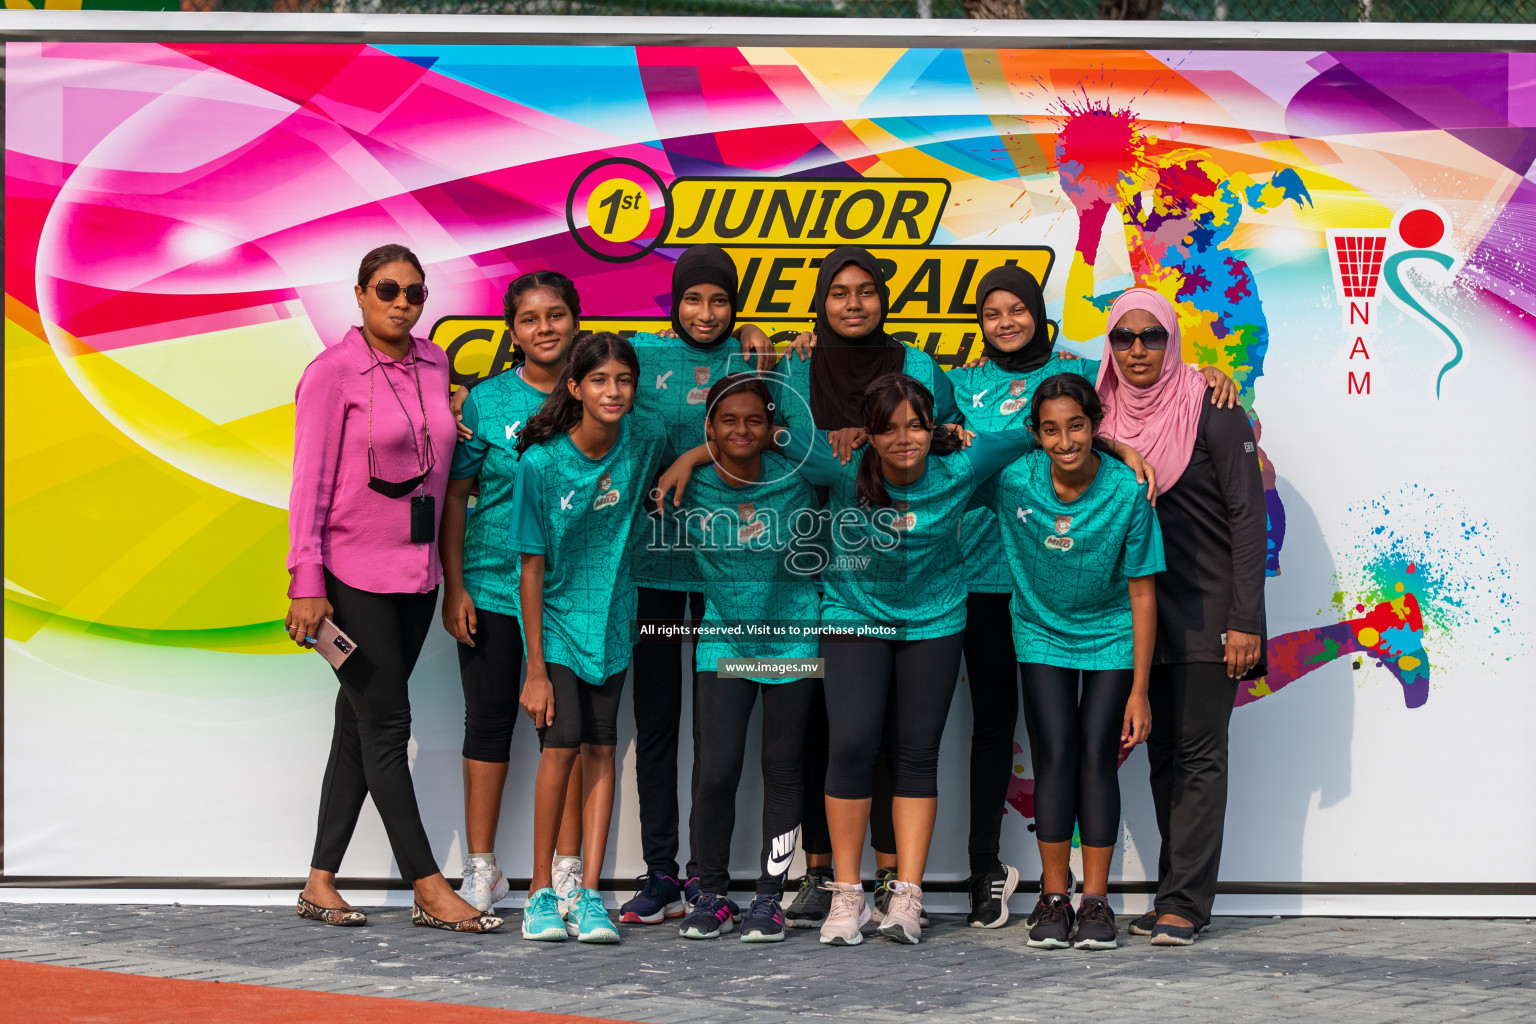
(541,918)
(587,918)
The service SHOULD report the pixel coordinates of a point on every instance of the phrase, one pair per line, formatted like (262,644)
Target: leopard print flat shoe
(481,923)
(342,917)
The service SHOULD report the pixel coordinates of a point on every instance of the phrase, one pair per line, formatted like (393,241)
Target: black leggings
(584,713)
(815,838)
(658,717)
(373,727)
(991,672)
(491,674)
(1077,777)
(903,687)
(725,706)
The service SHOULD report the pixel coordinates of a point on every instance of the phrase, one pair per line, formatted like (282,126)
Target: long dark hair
(561,411)
(383,256)
(881,400)
(1070,385)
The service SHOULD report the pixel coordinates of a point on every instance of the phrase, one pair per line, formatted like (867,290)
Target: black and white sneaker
(1143,924)
(989,896)
(1054,929)
(1034,915)
(1095,925)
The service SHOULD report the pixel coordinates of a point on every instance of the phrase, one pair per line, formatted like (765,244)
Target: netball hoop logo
(1365,260)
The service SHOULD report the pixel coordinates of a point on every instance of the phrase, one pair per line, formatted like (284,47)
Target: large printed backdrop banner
(1348,235)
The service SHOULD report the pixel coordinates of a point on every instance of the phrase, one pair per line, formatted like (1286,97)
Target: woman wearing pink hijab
(1210,601)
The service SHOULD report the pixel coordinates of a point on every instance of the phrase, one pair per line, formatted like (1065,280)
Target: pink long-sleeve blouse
(335,521)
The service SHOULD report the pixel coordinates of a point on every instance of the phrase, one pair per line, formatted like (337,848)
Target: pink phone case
(334,645)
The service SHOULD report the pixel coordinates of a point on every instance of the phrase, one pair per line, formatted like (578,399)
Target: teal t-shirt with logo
(580,514)
(759,600)
(991,398)
(495,411)
(675,378)
(1070,561)
(898,569)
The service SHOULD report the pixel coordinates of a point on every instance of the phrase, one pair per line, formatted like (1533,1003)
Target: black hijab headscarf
(841,369)
(1037,350)
(704,264)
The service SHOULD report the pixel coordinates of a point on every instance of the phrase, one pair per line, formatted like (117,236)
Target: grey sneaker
(847,916)
(811,903)
(903,914)
(483,884)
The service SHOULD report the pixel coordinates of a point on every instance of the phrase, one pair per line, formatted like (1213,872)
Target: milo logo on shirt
(1016,389)
(1059,541)
(751,527)
(605,496)
(696,396)
(907,520)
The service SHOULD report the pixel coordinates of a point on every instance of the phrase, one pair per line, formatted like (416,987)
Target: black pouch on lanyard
(423,519)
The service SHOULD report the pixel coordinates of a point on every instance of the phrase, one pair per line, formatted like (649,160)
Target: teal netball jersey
(896,572)
(759,600)
(792,397)
(990,398)
(675,378)
(580,514)
(496,411)
(1070,561)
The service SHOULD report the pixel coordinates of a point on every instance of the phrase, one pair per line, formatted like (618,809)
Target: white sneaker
(483,884)
(848,914)
(566,880)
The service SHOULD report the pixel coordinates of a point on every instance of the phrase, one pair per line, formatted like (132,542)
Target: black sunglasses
(1153,338)
(388,291)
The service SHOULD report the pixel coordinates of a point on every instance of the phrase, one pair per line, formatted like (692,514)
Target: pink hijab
(1159,421)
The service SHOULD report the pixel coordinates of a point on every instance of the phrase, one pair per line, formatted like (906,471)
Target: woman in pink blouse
(372,447)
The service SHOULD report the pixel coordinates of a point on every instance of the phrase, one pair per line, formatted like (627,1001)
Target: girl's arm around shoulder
(990,452)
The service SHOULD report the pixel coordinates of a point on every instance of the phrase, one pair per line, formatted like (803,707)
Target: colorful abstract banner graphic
(1348,235)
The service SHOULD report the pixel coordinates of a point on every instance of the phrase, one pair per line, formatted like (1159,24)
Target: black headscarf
(703,264)
(1037,350)
(841,369)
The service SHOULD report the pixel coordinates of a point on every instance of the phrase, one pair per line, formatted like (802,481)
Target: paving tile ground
(1308,969)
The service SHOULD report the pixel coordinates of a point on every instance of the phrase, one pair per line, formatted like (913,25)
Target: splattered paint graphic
(1180,211)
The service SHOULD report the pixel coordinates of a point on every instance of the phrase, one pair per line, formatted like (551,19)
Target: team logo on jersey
(1017,387)
(751,527)
(1059,541)
(907,520)
(606,496)
(697,396)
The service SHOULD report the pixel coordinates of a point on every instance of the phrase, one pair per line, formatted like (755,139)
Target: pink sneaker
(848,914)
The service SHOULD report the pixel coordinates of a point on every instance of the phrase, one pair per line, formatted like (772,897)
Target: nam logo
(606,496)
(1366,259)
(907,520)
(697,395)
(1059,541)
(1063,524)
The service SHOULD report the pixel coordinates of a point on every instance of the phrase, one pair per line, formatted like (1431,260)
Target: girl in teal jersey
(994,393)
(584,468)
(480,575)
(679,371)
(1082,544)
(746,513)
(822,390)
